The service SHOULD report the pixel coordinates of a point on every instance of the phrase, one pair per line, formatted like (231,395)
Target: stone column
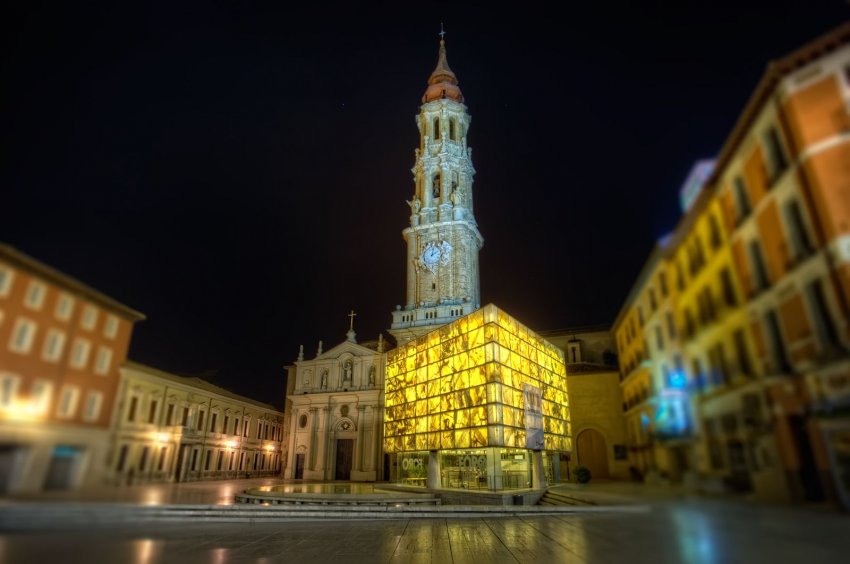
(357,463)
(323,441)
(314,432)
(412,248)
(538,479)
(433,470)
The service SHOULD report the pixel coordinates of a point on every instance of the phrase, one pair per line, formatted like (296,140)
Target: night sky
(238,172)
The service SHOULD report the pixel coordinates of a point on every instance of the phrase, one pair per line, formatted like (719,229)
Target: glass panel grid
(467,381)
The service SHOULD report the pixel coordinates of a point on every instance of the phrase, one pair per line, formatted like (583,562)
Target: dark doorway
(181,459)
(739,475)
(344,452)
(299,466)
(809,479)
(63,466)
(7,467)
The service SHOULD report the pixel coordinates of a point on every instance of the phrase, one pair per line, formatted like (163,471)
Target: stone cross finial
(442,33)
(301,352)
(320,349)
(351,317)
(380,342)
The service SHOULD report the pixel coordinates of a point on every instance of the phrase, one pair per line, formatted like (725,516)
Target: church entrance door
(344,454)
(593,452)
(299,466)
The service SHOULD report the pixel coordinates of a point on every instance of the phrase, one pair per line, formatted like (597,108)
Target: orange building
(61,346)
(758,332)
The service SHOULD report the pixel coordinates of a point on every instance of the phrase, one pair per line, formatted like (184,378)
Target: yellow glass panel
(433,441)
(478,437)
(421,442)
(447,439)
(462,438)
(422,424)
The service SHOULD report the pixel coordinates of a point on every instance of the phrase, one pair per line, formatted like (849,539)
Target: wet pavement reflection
(690,530)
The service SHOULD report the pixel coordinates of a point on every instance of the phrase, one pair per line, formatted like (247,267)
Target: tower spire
(443,82)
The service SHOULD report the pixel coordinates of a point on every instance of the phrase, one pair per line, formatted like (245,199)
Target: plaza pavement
(678,528)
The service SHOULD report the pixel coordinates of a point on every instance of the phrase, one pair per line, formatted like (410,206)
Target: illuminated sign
(482,380)
(690,190)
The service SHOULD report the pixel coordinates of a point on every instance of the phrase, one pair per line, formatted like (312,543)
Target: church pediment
(346,347)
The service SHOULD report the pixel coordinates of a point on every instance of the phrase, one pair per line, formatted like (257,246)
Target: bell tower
(443,239)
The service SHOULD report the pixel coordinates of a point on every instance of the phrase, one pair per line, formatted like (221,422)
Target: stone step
(45,516)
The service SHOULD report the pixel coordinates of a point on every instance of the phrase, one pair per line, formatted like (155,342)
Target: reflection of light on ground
(226,495)
(219,555)
(324,488)
(153,496)
(146,551)
(694,536)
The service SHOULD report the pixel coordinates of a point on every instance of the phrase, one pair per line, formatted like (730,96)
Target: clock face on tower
(435,254)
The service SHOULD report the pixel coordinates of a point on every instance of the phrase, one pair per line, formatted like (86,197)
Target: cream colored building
(334,408)
(596,403)
(170,428)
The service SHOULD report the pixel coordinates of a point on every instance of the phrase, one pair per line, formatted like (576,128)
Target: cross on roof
(442,33)
(351,317)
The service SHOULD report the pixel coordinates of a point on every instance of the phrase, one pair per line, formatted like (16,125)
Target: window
(152,411)
(729,297)
(201,415)
(671,325)
(659,339)
(131,411)
(224,425)
(435,186)
(122,458)
(714,237)
(23,336)
(64,307)
(213,421)
(89,317)
(640,316)
(742,200)
(110,328)
(453,129)
(759,270)
(184,418)
(161,465)
(6,276)
(143,459)
(104,360)
(236,427)
(801,245)
(169,414)
(8,390)
(436,128)
(92,408)
(207,460)
(776,159)
(35,295)
(246,426)
(741,350)
(653,305)
(823,322)
(53,345)
(662,283)
(777,343)
(68,402)
(80,354)
(194,459)
(40,395)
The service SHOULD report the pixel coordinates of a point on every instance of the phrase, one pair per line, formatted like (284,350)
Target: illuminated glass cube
(484,380)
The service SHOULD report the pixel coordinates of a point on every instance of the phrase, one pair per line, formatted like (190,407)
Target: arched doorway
(592,452)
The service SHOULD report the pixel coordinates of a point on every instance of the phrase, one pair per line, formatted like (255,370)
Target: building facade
(61,346)
(757,277)
(596,403)
(334,405)
(171,428)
